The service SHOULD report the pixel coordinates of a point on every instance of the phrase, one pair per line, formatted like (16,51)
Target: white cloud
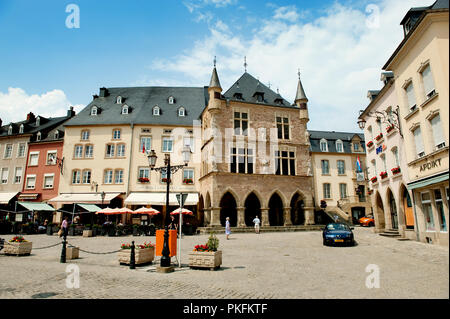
(15,104)
(340,56)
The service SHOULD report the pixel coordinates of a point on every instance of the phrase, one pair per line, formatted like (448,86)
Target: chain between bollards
(132,257)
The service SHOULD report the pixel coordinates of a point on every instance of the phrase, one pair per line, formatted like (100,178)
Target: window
(383,160)
(374,166)
(119,100)
(110,150)
(189,141)
(108,177)
(325,164)
(419,143)
(51,158)
(118,176)
(76,176)
(30,181)
(240,123)
(341,167)
(410,97)
(242,161)
(323,145)
(339,146)
(18,175)
(440,209)
(171,100)
(89,151)
(10,130)
(116,134)
(146,144)
(125,109)
(326,190)
(188,174)
(428,83)
(356,147)
(369,129)
(5,174)
(38,121)
(156,111)
(121,150)
(94,110)
(283,127)
(87,176)
(48,181)
(438,134)
(167,144)
(181,111)
(285,162)
(38,136)
(21,129)
(78,151)
(34,157)
(56,135)
(85,135)
(343,190)
(8,151)
(21,150)
(427,211)
(144,172)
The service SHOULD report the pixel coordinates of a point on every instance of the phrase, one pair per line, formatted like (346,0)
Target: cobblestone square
(292,265)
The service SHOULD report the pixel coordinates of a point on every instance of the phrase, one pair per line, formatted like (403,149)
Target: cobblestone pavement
(269,265)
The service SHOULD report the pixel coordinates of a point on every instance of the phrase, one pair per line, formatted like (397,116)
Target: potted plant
(18,246)
(206,256)
(390,128)
(374,179)
(143,254)
(143,180)
(188,181)
(383,175)
(369,144)
(395,170)
(379,137)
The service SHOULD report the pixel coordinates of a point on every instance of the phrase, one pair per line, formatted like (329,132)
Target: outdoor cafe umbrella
(125,210)
(185,212)
(147,211)
(109,211)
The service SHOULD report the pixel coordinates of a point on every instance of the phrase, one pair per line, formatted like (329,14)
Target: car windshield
(337,227)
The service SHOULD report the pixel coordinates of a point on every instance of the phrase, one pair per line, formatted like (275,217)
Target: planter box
(87,233)
(72,252)
(141,256)
(211,260)
(18,248)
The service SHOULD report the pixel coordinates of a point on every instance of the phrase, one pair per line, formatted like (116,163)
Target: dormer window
(94,110)
(38,136)
(181,111)
(339,146)
(171,100)
(279,101)
(259,96)
(125,109)
(10,129)
(119,100)
(56,135)
(156,111)
(238,96)
(323,145)
(21,129)
(38,121)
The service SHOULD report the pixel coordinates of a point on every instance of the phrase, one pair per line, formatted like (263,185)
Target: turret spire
(215,83)
(300,95)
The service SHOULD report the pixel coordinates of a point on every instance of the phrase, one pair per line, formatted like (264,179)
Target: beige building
(420,65)
(337,180)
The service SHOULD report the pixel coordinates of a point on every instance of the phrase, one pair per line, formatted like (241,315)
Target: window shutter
(438,134)
(428,82)
(418,140)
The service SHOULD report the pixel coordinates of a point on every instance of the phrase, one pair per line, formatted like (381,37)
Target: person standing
(227,227)
(65,226)
(256,221)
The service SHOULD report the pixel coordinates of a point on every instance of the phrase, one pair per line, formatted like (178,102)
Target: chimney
(95,96)
(30,117)
(70,112)
(103,92)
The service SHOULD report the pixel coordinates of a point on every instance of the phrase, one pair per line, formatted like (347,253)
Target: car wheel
(325,242)
(371,224)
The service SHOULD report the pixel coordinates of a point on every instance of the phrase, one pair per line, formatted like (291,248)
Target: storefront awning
(91,198)
(159,199)
(90,207)
(28,196)
(428,181)
(37,206)
(6,197)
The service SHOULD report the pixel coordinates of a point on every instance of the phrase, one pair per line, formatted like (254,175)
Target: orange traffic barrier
(172,242)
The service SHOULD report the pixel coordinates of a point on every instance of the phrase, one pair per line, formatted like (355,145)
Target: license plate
(338,240)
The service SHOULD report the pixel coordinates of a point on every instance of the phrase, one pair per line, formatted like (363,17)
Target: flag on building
(143,148)
(358,165)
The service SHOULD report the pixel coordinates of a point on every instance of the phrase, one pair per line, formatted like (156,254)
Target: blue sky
(45,66)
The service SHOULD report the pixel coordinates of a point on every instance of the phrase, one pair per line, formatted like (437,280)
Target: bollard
(63,251)
(132,257)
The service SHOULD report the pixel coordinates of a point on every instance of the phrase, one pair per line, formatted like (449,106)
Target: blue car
(338,234)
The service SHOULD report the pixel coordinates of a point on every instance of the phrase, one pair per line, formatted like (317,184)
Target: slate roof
(141,101)
(247,85)
(332,137)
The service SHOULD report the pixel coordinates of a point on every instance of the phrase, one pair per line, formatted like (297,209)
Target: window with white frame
(374,167)
(120,150)
(428,83)
(8,151)
(181,111)
(144,172)
(410,96)
(171,100)
(108,176)
(343,190)
(240,123)
(5,174)
(51,158)
(118,176)
(78,153)
(285,162)
(30,182)
(156,111)
(146,144)
(38,121)
(438,133)
(395,155)
(34,158)
(76,177)
(87,176)
(327,190)
(125,109)
(21,150)
(323,145)
(242,160)
(427,211)
(18,175)
(10,130)
(89,151)
(341,167)
(283,127)
(116,134)
(325,164)
(85,135)
(119,100)
(188,175)
(440,209)
(339,146)
(48,180)
(383,160)
(21,129)
(167,144)
(189,141)
(94,110)
(110,150)
(420,150)
(38,136)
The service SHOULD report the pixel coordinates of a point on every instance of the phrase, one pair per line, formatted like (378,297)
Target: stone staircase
(393,233)
(342,216)
(249,229)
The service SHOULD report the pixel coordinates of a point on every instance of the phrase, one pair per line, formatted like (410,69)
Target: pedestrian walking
(64,227)
(256,221)
(336,218)
(227,227)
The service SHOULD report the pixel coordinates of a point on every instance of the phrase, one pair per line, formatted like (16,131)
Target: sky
(50,60)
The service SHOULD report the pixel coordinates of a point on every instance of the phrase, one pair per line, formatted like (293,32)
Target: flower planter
(141,256)
(18,249)
(205,259)
(143,180)
(373,179)
(370,144)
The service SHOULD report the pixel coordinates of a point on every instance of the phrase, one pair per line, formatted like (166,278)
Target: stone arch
(281,195)
(391,204)
(207,209)
(276,210)
(232,192)
(200,211)
(297,209)
(406,210)
(257,194)
(252,206)
(228,208)
(379,212)
(207,200)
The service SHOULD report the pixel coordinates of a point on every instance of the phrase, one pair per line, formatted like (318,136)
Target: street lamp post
(168,170)
(384,117)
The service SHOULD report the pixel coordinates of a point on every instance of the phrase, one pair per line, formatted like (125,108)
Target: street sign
(181,198)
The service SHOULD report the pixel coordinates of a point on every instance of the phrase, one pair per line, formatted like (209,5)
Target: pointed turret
(214,89)
(215,83)
(301,100)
